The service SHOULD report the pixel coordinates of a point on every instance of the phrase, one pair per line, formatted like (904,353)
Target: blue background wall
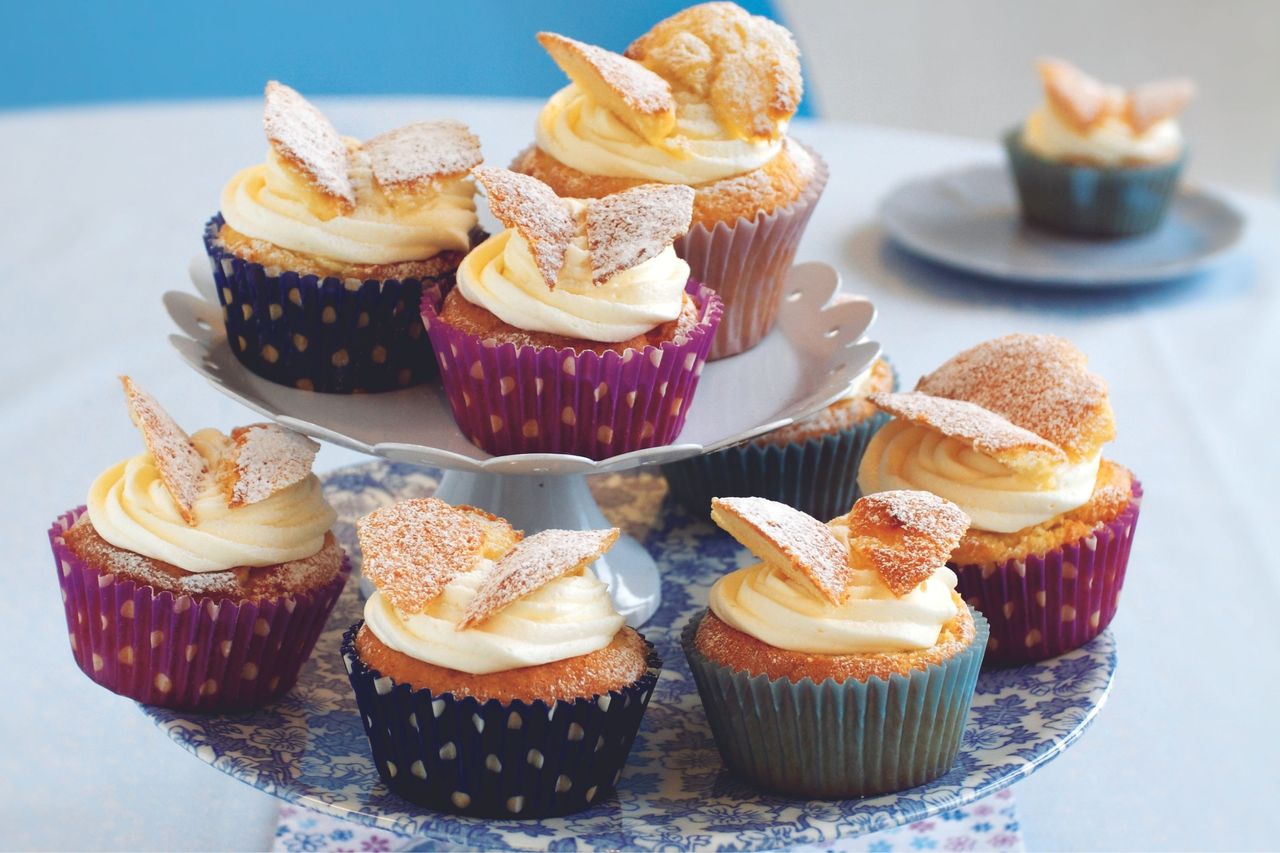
(70,53)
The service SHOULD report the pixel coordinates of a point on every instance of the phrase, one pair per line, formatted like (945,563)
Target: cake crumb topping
(265,459)
(638,96)
(412,156)
(788,539)
(308,142)
(1084,102)
(532,564)
(983,430)
(628,228)
(412,549)
(181,467)
(535,212)
(1040,383)
(904,535)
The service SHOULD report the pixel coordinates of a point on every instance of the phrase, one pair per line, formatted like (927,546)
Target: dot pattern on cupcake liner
(748,263)
(181,651)
(836,740)
(1091,201)
(509,399)
(495,759)
(1042,606)
(324,334)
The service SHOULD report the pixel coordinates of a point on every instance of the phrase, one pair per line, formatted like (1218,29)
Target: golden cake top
(1084,102)
(787,538)
(745,66)
(406,162)
(532,564)
(261,460)
(623,230)
(413,549)
(633,93)
(903,535)
(182,470)
(983,430)
(1038,382)
(265,459)
(408,159)
(309,145)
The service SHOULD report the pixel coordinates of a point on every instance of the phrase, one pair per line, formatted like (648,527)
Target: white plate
(968,219)
(807,361)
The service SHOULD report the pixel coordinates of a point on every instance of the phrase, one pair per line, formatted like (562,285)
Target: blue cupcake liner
(818,476)
(1089,201)
(837,740)
(495,759)
(323,334)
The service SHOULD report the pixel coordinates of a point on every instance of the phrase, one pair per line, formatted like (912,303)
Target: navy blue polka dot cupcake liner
(494,759)
(324,334)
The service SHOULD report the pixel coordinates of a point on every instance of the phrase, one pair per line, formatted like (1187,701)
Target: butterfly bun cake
(811,464)
(323,253)
(493,674)
(797,655)
(1012,431)
(576,329)
(703,99)
(203,569)
(1095,160)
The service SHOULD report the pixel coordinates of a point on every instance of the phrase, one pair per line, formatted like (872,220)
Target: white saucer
(968,219)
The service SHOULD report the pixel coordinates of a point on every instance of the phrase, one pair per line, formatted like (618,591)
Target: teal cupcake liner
(838,740)
(1088,201)
(818,476)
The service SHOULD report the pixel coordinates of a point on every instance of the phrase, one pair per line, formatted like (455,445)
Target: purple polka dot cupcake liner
(1044,605)
(181,651)
(497,759)
(748,262)
(838,740)
(508,399)
(1089,201)
(339,336)
(817,476)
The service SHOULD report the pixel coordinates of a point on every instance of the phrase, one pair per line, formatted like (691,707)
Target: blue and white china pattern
(310,748)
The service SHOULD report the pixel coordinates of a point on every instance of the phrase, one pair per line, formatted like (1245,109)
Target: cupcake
(811,465)
(798,657)
(323,253)
(1096,161)
(576,329)
(702,99)
(202,571)
(1012,432)
(493,675)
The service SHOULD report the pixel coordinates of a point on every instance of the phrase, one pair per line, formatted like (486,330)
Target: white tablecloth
(103,209)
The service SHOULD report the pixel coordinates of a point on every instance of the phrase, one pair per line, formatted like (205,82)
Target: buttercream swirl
(761,600)
(1112,142)
(266,202)
(131,508)
(904,455)
(571,616)
(579,132)
(500,275)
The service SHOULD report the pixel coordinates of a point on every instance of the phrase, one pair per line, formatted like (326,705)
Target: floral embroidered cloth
(990,824)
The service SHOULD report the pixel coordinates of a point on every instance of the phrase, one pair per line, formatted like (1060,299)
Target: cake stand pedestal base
(536,502)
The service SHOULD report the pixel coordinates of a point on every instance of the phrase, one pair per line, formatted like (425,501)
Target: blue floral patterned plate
(310,748)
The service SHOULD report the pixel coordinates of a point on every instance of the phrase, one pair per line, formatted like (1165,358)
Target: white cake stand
(803,365)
